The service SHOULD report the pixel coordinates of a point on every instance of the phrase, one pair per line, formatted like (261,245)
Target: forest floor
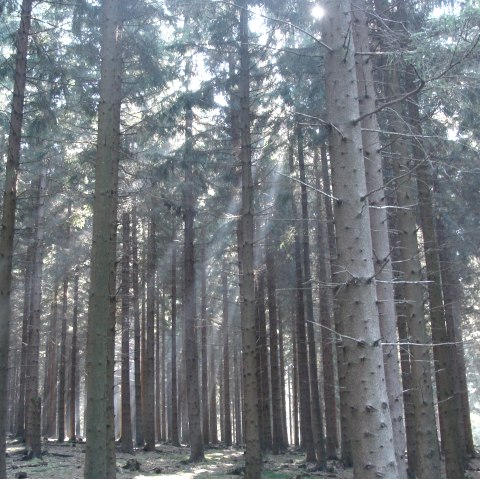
(168,462)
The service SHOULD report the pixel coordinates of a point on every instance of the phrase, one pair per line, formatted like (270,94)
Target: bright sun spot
(318,12)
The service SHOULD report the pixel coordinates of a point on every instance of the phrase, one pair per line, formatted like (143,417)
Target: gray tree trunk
(372,436)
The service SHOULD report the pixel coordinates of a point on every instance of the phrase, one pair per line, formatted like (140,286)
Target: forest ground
(168,462)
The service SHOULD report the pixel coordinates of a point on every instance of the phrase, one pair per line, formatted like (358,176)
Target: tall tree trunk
(379,228)
(102,289)
(126,435)
(451,297)
(409,267)
(174,398)
(204,348)
(8,213)
(50,385)
(449,409)
(213,396)
(238,393)
(191,352)
(324,274)
(163,394)
(253,463)
(277,433)
(306,431)
(62,364)
(372,437)
(32,399)
(317,420)
(74,358)
(136,334)
(149,394)
(283,372)
(20,430)
(227,415)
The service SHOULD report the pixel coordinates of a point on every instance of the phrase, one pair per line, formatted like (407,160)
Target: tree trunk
(174,432)
(191,352)
(409,267)
(213,397)
(8,214)
(136,334)
(102,289)
(126,435)
(306,432)
(253,463)
(62,364)
(204,329)
(74,354)
(149,378)
(32,399)
(277,434)
(379,228)
(227,415)
(326,319)
(372,437)
(317,420)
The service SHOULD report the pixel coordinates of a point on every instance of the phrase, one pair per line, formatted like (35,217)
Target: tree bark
(227,414)
(8,213)
(174,431)
(97,459)
(372,437)
(74,358)
(204,348)
(126,435)
(253,463)
(379,228)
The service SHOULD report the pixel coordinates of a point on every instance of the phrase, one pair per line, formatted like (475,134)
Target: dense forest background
(248,223)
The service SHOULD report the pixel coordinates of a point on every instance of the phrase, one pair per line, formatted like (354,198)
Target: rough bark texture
(372,437)
(8,213)
(379,228)
(174,401)
(253,463)
(103,261)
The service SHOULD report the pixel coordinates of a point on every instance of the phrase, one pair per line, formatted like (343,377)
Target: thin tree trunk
(74,358)
(324,274)
(8,214)
(426,451)
(277,434)
(253,464)
(149,378)
(191,353)
(306,432)
(102,289)
(283,372)
(204,348)
(227,416)
(372,436)
(136,334)
(317,420)
(213,397)
(32,399)
(174,399)
(126,435)
(163,395)
(62,364)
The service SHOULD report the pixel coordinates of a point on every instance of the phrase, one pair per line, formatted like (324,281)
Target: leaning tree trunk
(253,463)
(8,213)
(103,258)
(379,227)
(372,437)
